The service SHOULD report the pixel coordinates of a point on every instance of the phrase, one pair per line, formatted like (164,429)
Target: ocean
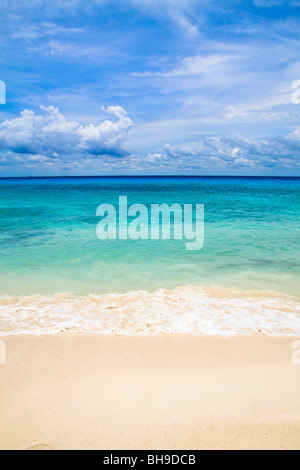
(57,275)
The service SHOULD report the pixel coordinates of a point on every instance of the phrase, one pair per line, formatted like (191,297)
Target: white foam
(195,310)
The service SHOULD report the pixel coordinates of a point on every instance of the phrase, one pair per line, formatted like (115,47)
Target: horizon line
(146,176)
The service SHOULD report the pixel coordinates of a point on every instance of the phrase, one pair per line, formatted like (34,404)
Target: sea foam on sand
(187,310)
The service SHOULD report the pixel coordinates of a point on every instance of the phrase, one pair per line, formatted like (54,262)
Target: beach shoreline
(89,391)
(195,310)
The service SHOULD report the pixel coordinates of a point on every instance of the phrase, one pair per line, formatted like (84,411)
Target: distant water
(55,274)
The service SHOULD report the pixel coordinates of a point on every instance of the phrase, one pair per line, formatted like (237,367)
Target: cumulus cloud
(154,157)
(49,141)
(281,152)
(51,135)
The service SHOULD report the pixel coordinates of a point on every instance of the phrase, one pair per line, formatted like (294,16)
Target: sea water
(56,275)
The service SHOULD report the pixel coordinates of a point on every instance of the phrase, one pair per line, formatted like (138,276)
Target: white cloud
(178,12)
(44,30)
(233,113)
(281,152)
(154,157)
(193,66)
(235,151)
(199,65)
(52,135)
(179,15)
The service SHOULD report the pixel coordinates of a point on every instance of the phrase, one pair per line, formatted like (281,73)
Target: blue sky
(150,87)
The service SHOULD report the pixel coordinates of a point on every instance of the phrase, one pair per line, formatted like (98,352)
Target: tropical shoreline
(183,310)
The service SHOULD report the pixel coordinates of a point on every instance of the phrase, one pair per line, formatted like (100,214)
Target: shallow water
(49,246)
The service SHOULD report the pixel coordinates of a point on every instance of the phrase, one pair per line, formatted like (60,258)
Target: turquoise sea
(55,273)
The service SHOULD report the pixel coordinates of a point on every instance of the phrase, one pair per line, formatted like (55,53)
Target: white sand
(77,391)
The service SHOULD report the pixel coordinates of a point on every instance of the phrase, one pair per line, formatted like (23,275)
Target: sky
(150,87)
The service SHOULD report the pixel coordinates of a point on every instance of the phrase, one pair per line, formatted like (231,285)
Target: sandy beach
(82,391)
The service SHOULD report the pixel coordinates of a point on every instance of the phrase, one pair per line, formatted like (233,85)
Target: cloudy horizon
(150,87)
